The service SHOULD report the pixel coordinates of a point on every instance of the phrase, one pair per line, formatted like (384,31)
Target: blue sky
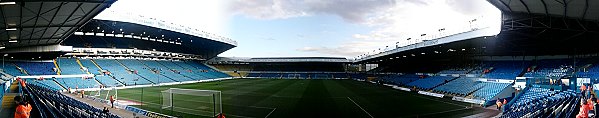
(309,28)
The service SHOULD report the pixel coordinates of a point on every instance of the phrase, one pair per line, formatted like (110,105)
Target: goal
(192,101)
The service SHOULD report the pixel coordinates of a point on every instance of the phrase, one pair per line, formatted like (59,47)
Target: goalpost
(192,101)
(99,93)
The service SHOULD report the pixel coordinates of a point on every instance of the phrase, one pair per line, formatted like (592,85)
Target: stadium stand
(90,66)
(542,102)
(505,69)
(108,81)
(37,68)
(119,72)
(462,86)
(163,70)
(13,70)
(78,83)
(430,82)
(61,106)
(140,69)
(592,71)
(299,75)
(48,83)
(551,68)
(69,66)
(399,79)
(490,90)
(210,71)
(460,69)
(183,71)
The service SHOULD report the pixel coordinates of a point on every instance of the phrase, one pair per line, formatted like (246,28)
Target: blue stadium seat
(534,101)
(119,72)
(461,86)
(58,105)
(490,90)
(37,68)
(165,71)
(430,82)
(69,66)
(78,83)
(145,71)
(506,69)
(12,70)
(91,67)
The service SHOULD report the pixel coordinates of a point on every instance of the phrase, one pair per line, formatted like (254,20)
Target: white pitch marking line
(273,110)
(360,107)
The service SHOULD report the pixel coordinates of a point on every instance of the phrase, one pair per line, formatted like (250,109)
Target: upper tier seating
(551,68)
(506,69)
(12,70)
(69,66)
(91,67)
(37,68)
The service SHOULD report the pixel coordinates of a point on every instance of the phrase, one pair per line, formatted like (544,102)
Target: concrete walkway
(120,112)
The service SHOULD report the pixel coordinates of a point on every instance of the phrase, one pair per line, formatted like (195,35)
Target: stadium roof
(299,59)
(129,17)
(44,22)
(577,9)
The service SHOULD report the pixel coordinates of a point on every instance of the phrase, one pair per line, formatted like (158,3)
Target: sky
(316,28)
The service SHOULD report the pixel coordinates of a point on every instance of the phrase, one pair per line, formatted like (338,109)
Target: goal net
(192,101)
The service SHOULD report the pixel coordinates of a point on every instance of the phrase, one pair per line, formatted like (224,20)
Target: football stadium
(81,59)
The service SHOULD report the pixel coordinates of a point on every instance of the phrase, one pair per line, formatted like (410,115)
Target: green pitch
(258,98)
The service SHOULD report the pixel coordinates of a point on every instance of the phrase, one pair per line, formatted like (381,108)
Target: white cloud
(405,20)
(393,21)
(349,10)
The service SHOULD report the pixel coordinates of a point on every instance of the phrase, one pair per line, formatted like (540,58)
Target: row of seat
(399,79)
(148,72)
(430,82)
(54,104)
(489,90)
(534,100)
(37,68)
(505,69)
(69,66)
(462,86)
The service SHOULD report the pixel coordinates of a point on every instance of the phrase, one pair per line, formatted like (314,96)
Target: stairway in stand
(8,105)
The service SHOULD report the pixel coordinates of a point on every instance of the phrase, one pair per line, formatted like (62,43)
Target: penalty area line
(360,107)
(273,110)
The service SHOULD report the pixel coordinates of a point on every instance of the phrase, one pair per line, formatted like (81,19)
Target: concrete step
(14,87)
(7,100)
(8,105)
